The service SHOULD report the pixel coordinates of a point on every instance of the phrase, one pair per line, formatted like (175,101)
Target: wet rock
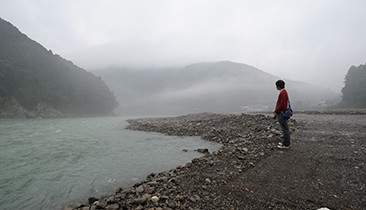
(140,200)
(100,205)
(205,151)
(91,200)
(162,179)
(120,189)
(140,189)
(153,183)
(150,190)
(113,207)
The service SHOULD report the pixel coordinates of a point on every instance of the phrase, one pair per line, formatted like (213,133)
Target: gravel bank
(325,167)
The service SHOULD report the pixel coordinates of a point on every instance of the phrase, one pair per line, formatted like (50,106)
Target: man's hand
(274,115)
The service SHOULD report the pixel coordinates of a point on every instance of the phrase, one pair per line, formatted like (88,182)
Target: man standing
(281,106)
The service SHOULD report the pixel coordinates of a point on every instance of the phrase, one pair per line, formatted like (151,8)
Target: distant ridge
(34,82)
(222,87)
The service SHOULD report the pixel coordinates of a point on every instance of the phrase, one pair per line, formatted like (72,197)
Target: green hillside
(33,79)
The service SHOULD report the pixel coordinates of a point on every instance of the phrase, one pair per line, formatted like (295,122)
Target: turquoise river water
(46,164)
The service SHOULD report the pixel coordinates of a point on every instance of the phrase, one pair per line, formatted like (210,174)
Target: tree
(354,91)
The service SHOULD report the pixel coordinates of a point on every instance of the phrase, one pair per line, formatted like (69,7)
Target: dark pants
(285,130)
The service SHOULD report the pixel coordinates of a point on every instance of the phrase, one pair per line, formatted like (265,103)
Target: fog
(305,40)
(220,87)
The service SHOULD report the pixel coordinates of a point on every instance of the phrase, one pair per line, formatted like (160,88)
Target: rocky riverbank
(10,108)
(248,171)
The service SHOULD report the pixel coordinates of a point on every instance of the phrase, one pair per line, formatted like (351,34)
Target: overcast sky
(314,41)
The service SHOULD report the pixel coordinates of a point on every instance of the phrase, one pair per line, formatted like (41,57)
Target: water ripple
(46,164)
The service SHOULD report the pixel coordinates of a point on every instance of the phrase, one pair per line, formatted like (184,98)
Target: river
(49,163)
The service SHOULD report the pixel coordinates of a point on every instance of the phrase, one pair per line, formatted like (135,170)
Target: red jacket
(282,102)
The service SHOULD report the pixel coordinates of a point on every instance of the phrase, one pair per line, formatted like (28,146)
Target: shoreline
(218,180)
(224,129)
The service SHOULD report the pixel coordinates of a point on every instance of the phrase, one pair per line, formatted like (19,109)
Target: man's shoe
(281,146)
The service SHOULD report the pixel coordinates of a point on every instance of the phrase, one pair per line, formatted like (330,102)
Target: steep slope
(35,79)
(211,86)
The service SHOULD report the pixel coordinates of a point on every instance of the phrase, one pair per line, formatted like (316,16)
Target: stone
(140,200)
(140,189)
(91,200)
(277,132)
(101,205)
(203,150)
(118,190)
(153,183)
(113,207)
(162,179)
(174,180)
(111,200)
(154,199)
(171,206)
(187,165)
(198,198)
(150,190)
(192,199)
(240,157)
(164,198)
(139,207)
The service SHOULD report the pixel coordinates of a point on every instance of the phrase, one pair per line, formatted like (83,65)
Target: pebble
(140,189)
(154,199)
(112,207)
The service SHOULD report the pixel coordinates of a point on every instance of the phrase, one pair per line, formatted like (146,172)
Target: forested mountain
(222,86)
(354,91)
(34,81)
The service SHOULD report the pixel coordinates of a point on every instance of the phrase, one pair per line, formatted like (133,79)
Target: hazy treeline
(354,91)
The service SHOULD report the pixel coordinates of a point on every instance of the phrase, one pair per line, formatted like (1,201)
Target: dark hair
(280,84)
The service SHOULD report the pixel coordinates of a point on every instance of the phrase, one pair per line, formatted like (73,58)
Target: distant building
(255,108)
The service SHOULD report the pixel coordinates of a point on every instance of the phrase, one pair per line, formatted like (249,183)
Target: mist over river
(46,164)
